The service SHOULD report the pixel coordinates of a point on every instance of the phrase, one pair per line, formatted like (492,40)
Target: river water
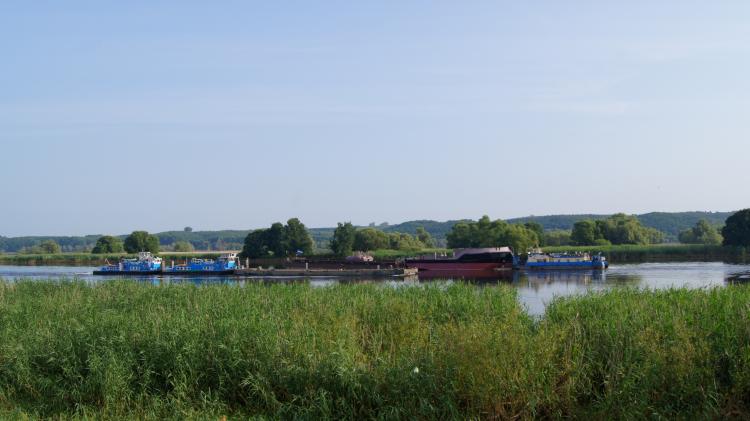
(535,288)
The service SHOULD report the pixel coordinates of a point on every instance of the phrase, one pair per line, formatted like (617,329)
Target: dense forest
(671,224)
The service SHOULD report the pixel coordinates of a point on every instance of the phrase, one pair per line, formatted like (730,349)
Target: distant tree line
(183,247)
(488,233)
(141,241)
(108,244)
(597,230)
(31,244)
(136,242)
(557,237)
(617,229)
(347,239)
(45,247)
(702,233)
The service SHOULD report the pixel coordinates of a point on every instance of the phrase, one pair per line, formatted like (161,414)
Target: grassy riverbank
(124,349)
(662,252)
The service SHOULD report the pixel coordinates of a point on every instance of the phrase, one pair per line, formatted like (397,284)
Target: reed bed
(122,349)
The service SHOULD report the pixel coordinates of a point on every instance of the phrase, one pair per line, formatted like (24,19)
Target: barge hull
(198,272)
(442,266)
(565,265)
(327,272)
(127,272)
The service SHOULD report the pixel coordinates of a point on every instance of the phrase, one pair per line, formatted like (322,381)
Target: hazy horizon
(115,117)
(199,229)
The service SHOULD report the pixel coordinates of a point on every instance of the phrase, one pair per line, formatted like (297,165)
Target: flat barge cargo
(348,273)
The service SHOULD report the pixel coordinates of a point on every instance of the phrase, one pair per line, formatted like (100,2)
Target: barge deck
(397,272)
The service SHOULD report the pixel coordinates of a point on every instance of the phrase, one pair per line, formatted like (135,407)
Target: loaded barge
(556,261)
(470,262)
(144,264)
(467,262)
(227,264)
(488,261)
(344,273)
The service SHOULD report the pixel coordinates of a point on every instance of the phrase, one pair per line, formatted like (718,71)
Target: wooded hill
(671,223)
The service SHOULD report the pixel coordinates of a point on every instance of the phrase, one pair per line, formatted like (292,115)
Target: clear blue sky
(117,116)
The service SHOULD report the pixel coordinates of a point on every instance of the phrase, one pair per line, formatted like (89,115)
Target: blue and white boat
(539,260)
(223,265)
(144,264)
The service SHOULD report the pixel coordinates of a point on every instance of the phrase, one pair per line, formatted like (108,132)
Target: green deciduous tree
(370,239)
(342,242)
(141,241)
(487,233)
(402,241)
(49,247)
(736,231)
(702,233)
(424,237)
(255,245)
(276,239)
(297,237)
(538,229)
(617,229)
(557,238)
(108,244)
(585,233)
(183,247)
(279,240)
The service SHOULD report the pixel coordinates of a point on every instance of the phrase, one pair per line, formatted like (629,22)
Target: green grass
(123,349)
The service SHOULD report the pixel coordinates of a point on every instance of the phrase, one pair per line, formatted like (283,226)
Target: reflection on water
(535,288)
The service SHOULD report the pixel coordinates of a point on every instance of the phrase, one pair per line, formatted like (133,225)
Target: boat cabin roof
(457,253)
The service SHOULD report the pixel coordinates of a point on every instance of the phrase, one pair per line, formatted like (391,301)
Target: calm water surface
(536,288)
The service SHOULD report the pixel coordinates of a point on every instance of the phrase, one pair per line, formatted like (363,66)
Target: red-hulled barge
(470,260)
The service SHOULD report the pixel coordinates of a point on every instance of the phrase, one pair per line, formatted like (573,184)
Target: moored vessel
(466,261)
(223,265)
(144,264)
(539,260)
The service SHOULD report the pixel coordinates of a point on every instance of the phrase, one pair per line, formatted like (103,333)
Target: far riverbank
(656,253)
(614,253)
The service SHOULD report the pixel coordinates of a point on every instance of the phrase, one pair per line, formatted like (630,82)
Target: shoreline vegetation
(557,230)
(631,253)
(124,349)
(621,238)
(624,253)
